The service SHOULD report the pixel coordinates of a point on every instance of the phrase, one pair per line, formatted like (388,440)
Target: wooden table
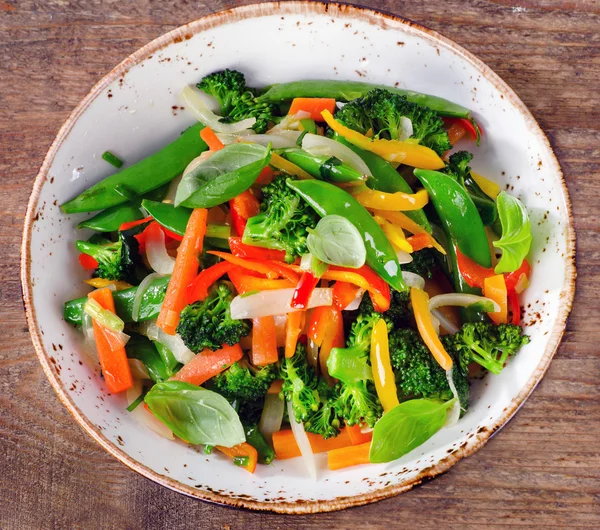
(542,470)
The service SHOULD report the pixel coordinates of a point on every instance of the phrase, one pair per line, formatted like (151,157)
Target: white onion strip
(279,140)
(321,145)
(173,342)
(271,417)
(195,103)
(403,257)
(157,254)
(89,342)
(454,412)
(444,322)
(139,294)
(289,122)
(275,302)
(406,127)
(115,339)
(303,443)
(280,325)
(413,280)
(138,369)
(459,299)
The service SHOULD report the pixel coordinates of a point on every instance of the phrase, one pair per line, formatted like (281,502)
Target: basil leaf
(405,427)
(335,240)
(224,175)
(195,414)
(516,233)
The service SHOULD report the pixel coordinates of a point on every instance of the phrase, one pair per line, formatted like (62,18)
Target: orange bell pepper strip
(243,450)
(420,304)
(211,139)
(115,367)
(391,150)
(317,327)
(473,273)
(275,387)
(265,177)
(198,289)
(439,285)
(284,271)
(285,445)
(293,329)
(494,288)
(343,294)
(264,341)
(383,375)
(246,283)
(349,456)
(366,278)
(207,364)
(242,207)
(260,267)
(242,250)
(184,271)
(333,338)
(357,437)
(314,106)
(420,241)
(131,224)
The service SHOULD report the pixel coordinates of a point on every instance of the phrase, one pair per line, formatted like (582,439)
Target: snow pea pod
(328,199)
(266,454)
(142,177)
(142,349)
(149,307)
(322,167)
(348,90)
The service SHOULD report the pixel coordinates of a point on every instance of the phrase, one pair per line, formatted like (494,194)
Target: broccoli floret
(486,344)
(423,263)
(398,315)
(208,324)
(116,261)
(236,100)
(283,222)
(357,402)
(300,384)
(458,166)
(417,372)
(324,421)
(244,381)
(382,112)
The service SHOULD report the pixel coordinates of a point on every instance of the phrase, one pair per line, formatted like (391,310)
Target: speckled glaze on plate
(135,109)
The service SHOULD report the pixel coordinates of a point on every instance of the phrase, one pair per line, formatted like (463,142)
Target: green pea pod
(149,307)
(142,349)
(112,218)
(348,90)
(322,167)
(266,455)
(328,199)
(142,177)
(167,357)
(458,215)
(385,178)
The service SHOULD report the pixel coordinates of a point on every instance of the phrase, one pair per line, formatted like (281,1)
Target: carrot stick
(357,437)
(211,139)
(184,271)
(242,450)
(275,387)
(333,338)
(285,444)
(207,364)
(318,324)
(314,106)
(293,328)
(348,456)
(115,367)
(264,341)
(198,289)
(256,266)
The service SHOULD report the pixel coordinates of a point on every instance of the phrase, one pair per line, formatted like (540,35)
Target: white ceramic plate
(135,109)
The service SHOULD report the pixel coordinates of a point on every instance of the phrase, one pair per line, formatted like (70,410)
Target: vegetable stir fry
(314,268)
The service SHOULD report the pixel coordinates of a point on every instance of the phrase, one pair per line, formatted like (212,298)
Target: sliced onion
(413,280)
(450,327)
(403,256)
(172,342)
(210,102)
(279,140)
(138,369)
(170,196)
(321,145)
(312,353)
(196,104)
(340,104)
(134,391)
(280,323)
(522,283)
(303,443)
(459,299)
(271,417)
(290,122)
(454,412)
(156,252)
(145,417)
(356,302)
(406,128)
(275,302)
(231,138)
(140,292)
(115,339)
(89,342)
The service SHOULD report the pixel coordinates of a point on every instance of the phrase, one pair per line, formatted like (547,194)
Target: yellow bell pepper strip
(379,200)
(401,220)
(411,154)
(420,303)
(494,288)
(99,283)
(490,188)
(280,163)
(394,234)
(383,375)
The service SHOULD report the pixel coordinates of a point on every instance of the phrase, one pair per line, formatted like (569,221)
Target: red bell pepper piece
(198,289)
(514,307)
(308,281)
(513,278)
(242,207)
(87,262)
(241,250)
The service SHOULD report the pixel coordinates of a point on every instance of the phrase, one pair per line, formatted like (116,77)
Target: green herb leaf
(335,240)
(195,414)
(405,427)
(227,173)
(516,233)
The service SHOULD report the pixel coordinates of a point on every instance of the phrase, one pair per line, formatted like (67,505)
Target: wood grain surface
(542,470)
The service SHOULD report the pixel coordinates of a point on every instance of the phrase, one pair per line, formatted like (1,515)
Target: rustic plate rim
(232,15)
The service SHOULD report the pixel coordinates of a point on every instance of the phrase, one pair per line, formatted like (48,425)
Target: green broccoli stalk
(283,222)
(417,372)
(324,421)
(383,112)
(244,381)
(357,402)
(236,100)
(486,344)
(300,384)
(208,324)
